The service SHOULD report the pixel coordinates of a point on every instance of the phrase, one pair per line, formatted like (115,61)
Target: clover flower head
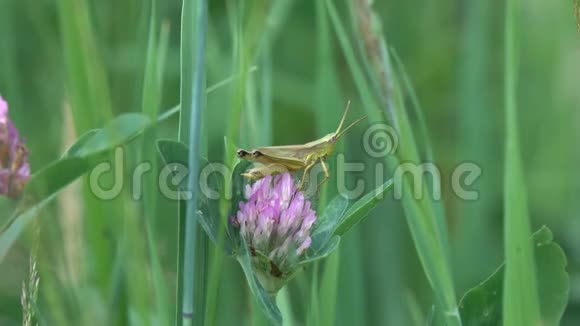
(276,221)
(14,166)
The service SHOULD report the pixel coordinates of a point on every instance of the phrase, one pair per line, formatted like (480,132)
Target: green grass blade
(329,101)
(329,289)
(423,135)
(477,144)
(120,130)
(362,207)
(161,118)
(368,99)
(210,89)
(193,32)
(427,227)
(81,142)
(86,74)
(520,302)
(151,100)
(313,318)
(417,110)
(89,96)
(284,303)
(226,236)
(266,104)
(239,60)
(351,299)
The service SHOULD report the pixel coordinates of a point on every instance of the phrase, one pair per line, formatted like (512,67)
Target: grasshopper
(291,158)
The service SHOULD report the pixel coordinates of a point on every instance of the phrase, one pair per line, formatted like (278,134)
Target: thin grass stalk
(239,54)
(251,116)
(215,271)
(328,104)
(88,90)
(329,289)
(193,32)
(520,299)
(240,61)
(368,100)
(477,136)
(87,80)
(351,301)
(314,309)
(265,121)
(152,89)
(285,304)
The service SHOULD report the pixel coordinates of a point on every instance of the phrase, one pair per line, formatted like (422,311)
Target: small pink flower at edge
(14,166)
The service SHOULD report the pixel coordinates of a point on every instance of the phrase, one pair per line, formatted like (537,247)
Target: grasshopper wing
(291,156)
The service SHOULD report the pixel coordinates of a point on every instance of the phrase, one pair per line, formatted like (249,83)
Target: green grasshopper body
(291,158)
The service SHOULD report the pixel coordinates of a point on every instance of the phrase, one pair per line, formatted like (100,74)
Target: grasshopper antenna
(350,126)
(343,117)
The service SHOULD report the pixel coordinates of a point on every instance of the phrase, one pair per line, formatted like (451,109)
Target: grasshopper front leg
(306,170)
(260,172)
(326,174)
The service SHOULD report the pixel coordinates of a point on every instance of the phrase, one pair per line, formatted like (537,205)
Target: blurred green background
(453,52)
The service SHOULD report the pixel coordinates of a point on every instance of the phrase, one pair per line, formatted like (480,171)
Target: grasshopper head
(242,153)
(332,138)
